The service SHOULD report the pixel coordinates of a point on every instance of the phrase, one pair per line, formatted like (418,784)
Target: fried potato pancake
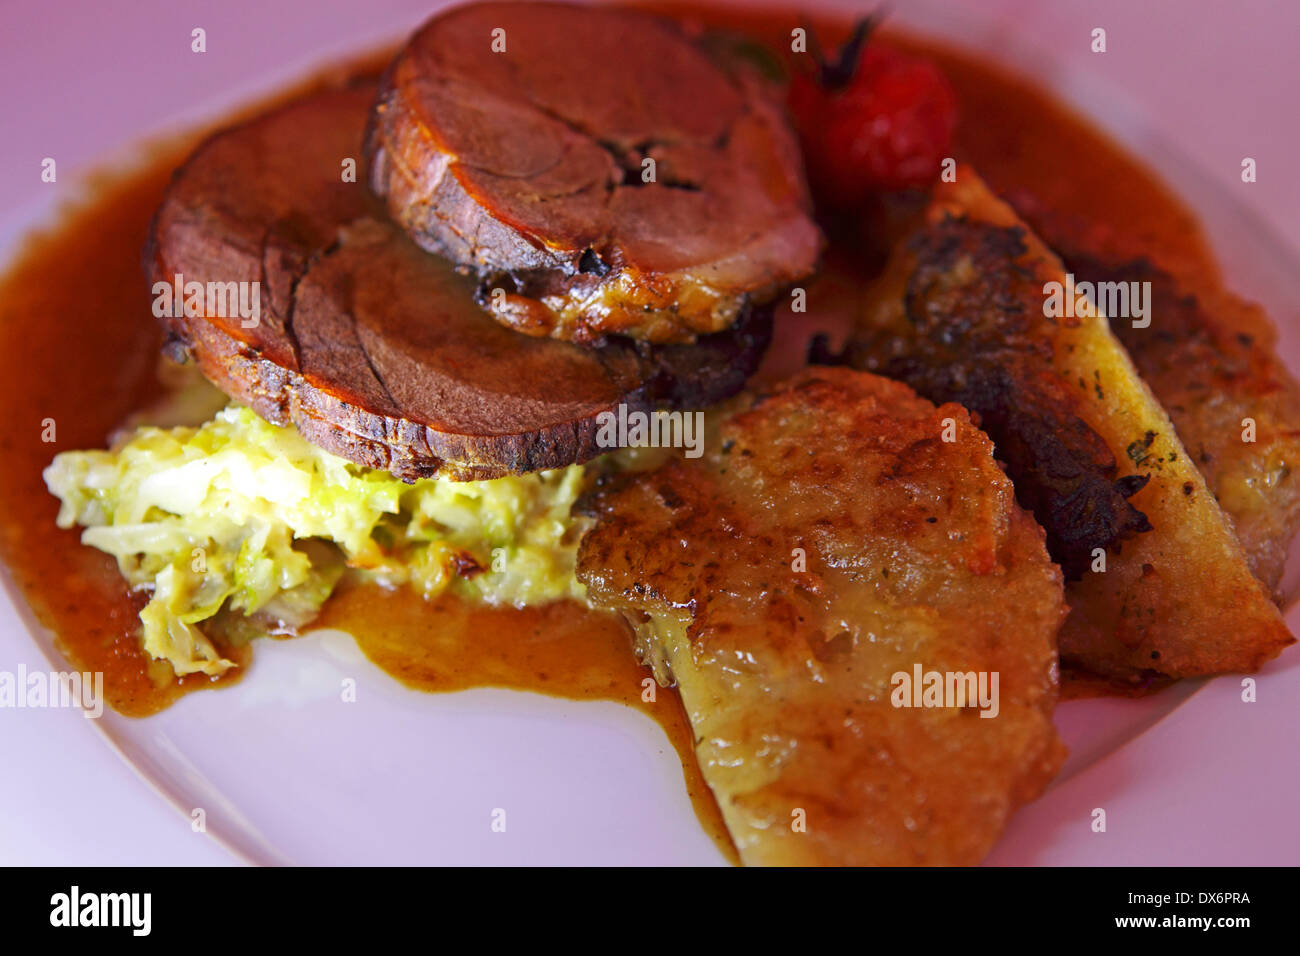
(829,539)
(1175,599)
(1210,358)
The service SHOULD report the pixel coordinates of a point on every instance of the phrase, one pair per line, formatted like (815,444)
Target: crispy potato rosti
(829,539)
(968,338)
(1210,358)
(1176,600)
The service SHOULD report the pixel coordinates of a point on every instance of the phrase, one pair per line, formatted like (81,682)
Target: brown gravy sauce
(78,345)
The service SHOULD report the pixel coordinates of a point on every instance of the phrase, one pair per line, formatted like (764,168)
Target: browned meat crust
(373,348)
(914,551)
(526,165)
(973,310)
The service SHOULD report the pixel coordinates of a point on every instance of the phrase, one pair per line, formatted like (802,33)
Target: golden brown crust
(973,335)
(912,551)
(1176,601)
(1210,358)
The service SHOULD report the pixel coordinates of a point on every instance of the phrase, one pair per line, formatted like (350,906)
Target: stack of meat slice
(644,207)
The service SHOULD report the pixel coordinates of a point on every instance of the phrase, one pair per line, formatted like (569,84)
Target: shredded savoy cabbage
(240,515)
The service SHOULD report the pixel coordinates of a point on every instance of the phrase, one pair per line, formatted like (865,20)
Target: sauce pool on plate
(78,354)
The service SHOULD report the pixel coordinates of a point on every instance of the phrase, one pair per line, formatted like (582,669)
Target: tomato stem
(837,74)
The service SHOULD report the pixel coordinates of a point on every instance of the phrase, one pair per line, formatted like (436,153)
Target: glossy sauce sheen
(78,345)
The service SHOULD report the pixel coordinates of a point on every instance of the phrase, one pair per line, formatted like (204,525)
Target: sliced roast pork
(594,169)
(373,348)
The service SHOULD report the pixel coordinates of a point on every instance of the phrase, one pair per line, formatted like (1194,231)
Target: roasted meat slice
(1157,582)
(594,168)
(374,349)
(1211,360)
(839,532)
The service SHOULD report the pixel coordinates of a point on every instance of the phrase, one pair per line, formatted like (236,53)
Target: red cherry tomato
(884,123)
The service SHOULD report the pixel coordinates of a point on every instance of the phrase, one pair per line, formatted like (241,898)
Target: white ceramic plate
(286,771)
